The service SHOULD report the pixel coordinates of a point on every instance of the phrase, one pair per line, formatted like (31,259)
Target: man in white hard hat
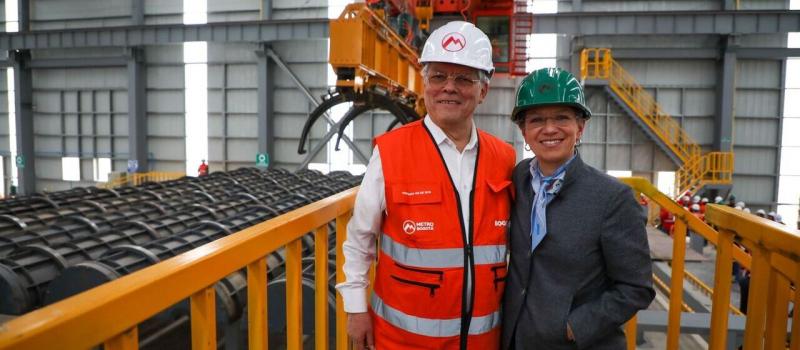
(438,193)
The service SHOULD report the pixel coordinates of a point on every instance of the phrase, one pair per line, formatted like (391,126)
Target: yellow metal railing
(774,266)
(708,291)
(136,179)
(697,170)
(110,313)
(710,168)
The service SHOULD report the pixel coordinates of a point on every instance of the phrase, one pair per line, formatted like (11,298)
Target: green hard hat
(548,87)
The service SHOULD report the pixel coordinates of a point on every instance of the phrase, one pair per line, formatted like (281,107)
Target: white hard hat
(737,207)
(696,199)
(771,214)
(778,217)
(695,207)
(704,200)
(685,198)
(718,199)
(740,204)
(761,212)
(461,43)
(746,210)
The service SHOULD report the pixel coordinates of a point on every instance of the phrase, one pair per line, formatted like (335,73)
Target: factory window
(497,29)
(101,168)
(12,125)
(12,16)
(195,59)
(789,177)
(620,173)
(12,25)
(665,182)
(2,178)
(71,169)
(543,6)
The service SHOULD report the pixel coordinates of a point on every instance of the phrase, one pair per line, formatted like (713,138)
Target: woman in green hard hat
(580,264)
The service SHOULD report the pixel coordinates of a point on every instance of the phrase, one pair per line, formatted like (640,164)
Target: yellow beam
(722,292)
(321,288)
(294,295)
(757,300)
(630,333)
(126,341)
(795,341)
(257,304)
(771,235)
(204,320)
(777,312)
(676,284)
(341,317)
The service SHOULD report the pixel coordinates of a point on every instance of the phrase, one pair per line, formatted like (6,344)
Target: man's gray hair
(482,74)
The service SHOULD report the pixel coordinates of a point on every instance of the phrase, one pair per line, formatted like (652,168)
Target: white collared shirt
(365,225)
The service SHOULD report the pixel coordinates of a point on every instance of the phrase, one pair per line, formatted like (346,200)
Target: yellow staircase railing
(767,249)
(697,169)
(136,179)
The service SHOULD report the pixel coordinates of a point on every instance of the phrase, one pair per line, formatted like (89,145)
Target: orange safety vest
(420,283)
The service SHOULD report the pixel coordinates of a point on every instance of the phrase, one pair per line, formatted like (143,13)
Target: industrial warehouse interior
(181,174)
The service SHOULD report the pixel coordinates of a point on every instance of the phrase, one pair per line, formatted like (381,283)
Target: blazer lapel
(523,206)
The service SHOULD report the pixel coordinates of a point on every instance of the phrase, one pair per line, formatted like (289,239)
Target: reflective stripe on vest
(440,257)
(432,327)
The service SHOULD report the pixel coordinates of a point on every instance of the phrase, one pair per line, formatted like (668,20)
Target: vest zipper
(430,286)
(468,284)
(438,273)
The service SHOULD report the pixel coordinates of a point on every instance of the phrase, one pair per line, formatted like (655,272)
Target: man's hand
(359,328)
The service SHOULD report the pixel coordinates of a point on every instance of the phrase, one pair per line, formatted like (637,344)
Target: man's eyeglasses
(462,81)
(537,122)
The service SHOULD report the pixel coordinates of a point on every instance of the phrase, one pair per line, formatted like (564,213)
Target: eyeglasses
(537,122)
(462,81)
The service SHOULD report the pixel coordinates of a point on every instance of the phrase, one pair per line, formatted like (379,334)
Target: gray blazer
(592,270)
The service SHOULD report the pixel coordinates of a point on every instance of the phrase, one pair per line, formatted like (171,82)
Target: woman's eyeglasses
(537,122)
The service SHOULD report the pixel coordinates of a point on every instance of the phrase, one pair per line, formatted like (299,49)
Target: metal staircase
(695,169)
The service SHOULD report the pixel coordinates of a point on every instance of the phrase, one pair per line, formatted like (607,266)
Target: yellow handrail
(708,291)
(110,313)
(697,170)
(775,263)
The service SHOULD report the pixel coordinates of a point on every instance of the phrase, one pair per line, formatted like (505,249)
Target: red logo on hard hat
(454,42)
